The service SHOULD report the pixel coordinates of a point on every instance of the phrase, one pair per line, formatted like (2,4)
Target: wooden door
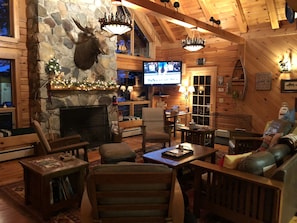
(203,100)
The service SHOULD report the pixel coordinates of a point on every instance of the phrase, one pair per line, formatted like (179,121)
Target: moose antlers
(88,46)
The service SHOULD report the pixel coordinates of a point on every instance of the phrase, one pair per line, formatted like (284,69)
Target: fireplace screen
(91,122)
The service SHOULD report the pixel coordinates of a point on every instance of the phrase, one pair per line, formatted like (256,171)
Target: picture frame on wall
(289,86)
(263,81)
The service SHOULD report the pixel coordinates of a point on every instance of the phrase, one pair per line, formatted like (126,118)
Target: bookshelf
(52,184)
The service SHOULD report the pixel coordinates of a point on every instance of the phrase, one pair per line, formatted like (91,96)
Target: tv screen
(162,72)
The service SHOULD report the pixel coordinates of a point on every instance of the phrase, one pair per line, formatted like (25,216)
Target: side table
(52,184)
(204,137)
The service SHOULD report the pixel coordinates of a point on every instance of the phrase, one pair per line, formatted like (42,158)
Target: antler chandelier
(118,23)
(193,44)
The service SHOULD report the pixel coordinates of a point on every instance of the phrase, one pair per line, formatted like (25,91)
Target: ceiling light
(193,44)
(117,24)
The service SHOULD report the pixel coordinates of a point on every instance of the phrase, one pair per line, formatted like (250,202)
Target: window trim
(14,23)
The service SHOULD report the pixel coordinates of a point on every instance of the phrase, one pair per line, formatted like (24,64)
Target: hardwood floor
(11,171)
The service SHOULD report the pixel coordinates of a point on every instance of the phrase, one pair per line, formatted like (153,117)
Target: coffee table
(199,152)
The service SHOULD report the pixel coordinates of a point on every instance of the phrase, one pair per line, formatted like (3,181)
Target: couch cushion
(257,162)
(279,151)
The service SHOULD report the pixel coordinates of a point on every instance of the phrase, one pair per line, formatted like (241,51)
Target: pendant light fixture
(116,23)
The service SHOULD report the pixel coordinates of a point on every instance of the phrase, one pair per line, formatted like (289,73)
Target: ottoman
(112,153)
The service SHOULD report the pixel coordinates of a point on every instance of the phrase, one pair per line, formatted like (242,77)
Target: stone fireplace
(49,25)
(91,122)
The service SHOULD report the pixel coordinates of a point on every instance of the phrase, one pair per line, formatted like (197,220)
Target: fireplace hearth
(91,122)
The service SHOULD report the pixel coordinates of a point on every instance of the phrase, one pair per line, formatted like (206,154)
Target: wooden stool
(112,153)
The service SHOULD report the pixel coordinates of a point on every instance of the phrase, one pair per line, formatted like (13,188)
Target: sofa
(260,188)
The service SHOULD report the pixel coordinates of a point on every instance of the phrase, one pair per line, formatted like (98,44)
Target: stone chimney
(48,24)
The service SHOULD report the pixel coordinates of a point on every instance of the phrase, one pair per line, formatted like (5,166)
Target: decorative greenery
(53,66)
(73,84)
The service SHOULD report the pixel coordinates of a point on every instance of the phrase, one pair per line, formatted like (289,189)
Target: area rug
(16,193)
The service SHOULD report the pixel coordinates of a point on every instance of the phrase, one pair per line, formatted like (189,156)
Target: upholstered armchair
(132,192)
(154,128)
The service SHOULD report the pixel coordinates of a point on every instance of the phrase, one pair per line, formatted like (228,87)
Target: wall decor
(263,81)
(289,85)
(220,80)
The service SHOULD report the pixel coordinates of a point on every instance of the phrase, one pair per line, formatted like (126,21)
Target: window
(9,20)
(5,82)
(139,41)
(201,99)
(5,20)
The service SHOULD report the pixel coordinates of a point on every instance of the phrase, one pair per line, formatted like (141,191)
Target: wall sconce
(285,64)
(186,90)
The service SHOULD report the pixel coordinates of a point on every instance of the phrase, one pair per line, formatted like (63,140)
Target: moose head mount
(89,45)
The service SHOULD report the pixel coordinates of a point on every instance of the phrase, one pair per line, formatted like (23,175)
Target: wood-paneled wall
(260,54)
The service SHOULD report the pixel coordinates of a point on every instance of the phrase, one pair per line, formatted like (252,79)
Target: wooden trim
(14,54)
(14,19)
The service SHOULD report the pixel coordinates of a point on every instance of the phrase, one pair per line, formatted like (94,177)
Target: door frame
(206,71)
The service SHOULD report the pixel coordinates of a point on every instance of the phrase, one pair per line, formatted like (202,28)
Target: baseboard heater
(15,153)
(131,132)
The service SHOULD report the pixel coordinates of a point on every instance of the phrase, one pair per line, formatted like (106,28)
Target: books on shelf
(60,189)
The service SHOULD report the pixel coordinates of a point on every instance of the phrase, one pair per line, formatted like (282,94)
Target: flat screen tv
(162,72)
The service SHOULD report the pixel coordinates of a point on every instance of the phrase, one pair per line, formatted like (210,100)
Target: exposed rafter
(180,19)
(240,18)
(146,27)
(207,9)
(272,14)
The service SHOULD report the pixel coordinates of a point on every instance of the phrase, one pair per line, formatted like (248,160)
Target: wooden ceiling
(237,17)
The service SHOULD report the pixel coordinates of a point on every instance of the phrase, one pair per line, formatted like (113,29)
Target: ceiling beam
(240,18)
(180,19)
(146,27)
(165,27)
(272,14)
(207,9)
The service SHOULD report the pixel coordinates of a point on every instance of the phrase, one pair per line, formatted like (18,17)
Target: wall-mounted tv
(162,72)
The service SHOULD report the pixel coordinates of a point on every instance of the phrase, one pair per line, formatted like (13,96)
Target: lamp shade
(191,89)
(182,89)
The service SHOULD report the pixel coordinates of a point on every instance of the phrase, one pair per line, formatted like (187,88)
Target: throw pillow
(231,161)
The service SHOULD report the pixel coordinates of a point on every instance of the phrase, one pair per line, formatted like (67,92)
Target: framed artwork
(289,85)
(263,81)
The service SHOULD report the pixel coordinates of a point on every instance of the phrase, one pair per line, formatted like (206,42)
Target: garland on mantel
(57,80)
(73,84)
